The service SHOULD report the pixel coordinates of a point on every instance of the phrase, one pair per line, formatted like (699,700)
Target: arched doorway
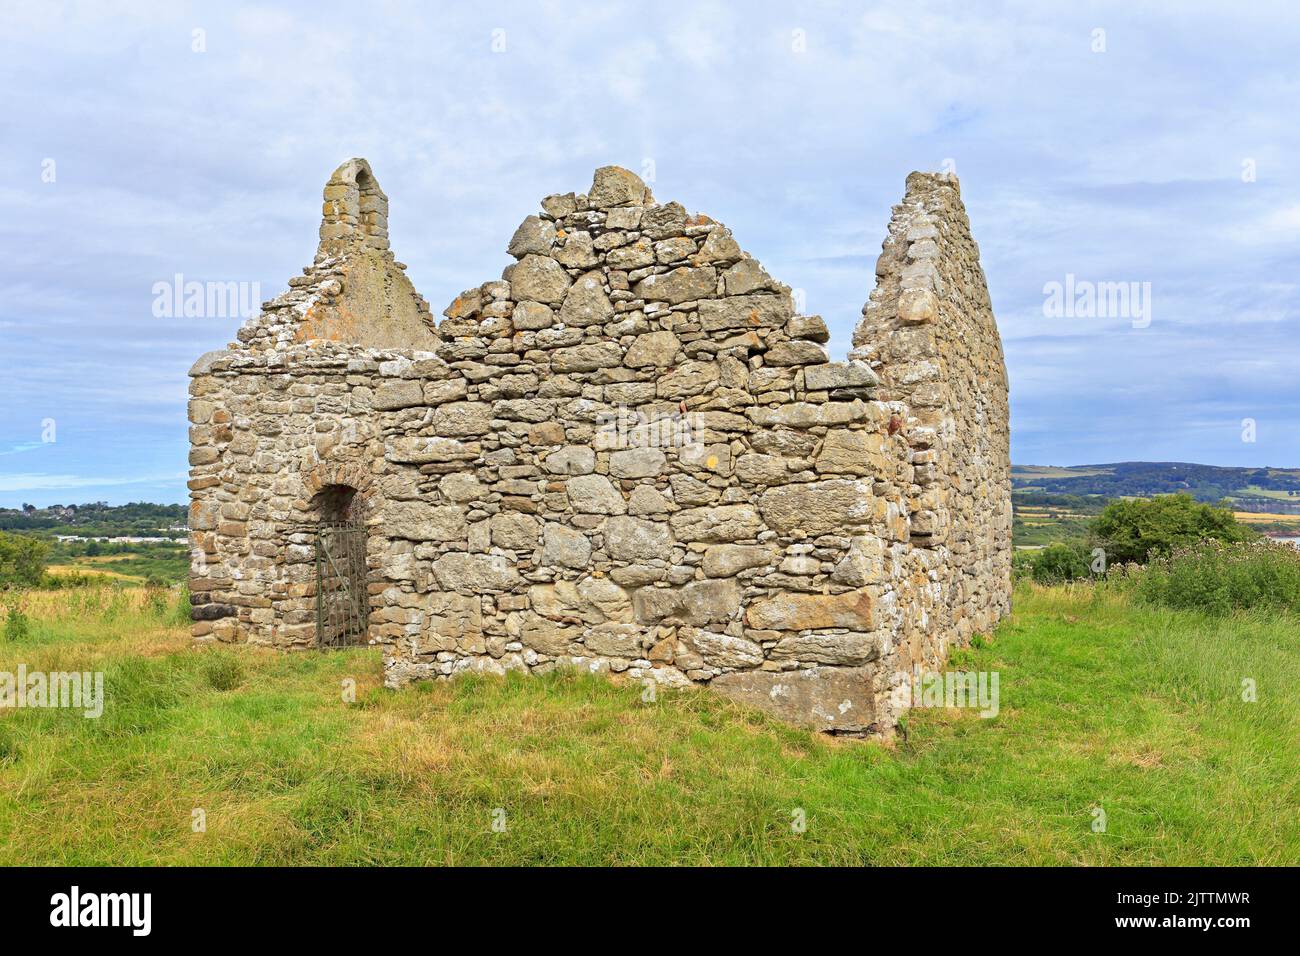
(342,604)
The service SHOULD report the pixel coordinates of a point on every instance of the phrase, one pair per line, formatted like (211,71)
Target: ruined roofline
(322,304)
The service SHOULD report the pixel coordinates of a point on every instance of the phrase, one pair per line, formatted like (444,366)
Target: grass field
(1135,712)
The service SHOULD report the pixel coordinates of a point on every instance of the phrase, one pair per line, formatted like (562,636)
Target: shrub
(1218,577)
(1061,562)
(1135,530)
(1054,564)
(156,600)
(17,625)
(22,560)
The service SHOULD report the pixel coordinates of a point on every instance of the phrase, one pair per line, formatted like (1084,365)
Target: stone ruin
(628,455)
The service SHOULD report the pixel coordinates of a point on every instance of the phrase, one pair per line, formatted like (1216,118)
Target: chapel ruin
(628,454)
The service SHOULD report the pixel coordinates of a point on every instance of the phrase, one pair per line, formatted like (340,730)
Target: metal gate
(342,606)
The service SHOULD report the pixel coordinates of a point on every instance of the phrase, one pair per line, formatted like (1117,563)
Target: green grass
(1134,710)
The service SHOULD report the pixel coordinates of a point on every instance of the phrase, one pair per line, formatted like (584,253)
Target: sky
(1153,145)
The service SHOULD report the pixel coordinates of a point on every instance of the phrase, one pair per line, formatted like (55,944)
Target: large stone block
(593,494)
(634,539)
(400,394)
(679,285)
(833,699)
(821,507)
(565,547)
(537,278)
(839,649)
(798,611)
(746,312)
(420,450)
(697,603)
(417,521)
(586,303)
(721,523)
(458,571)
(853,452)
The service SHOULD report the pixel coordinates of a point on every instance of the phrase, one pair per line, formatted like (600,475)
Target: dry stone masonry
(628,455)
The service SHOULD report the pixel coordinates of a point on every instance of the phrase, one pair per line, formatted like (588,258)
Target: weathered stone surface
(834,699)
(657,349)
(679,285)
(457,571)
(687,379)
(822,507)
(564,547)
(842,649)
(796,611)
(722,650)
(796,353)
(613,639)
(722,523)
(746,312)
(400,394)
(530,316)
(586,304)
(463,418)
(853,452)
(810,327)
(577,252)
(725,560)
(417,521)
(615,186)
(534,236)
(593,494)
(538,279)
(587,358)
(819,378)
(546,636)
(422,450)
(460,488)
(637,463)
(515,531)
(698,603)
(634,539)
(571,460)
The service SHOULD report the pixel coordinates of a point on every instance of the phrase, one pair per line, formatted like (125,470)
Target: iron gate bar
(342,607)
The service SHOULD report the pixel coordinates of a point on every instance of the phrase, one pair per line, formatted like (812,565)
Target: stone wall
(628,454)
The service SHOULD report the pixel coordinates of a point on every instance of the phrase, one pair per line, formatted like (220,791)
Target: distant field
(1262,517)
(169,566)
(1256,492)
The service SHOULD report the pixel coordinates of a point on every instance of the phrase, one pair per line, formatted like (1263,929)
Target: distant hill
(97,519)
(1275,490)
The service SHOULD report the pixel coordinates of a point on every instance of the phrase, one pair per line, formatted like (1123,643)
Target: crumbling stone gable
(628,454)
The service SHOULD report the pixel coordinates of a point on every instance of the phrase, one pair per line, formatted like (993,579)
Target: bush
(156,600)
(1133,531)
(1054,564)
(1218,577)
(17,625)
(22,560)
